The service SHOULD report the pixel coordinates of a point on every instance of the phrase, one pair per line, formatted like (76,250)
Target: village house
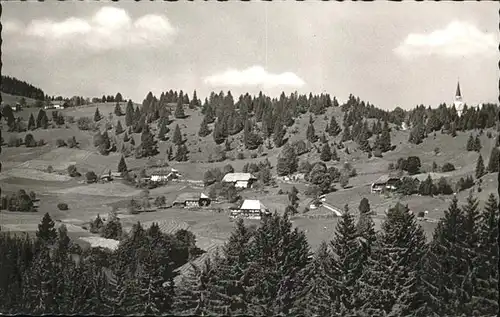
(250,209)
(192,200)
(239,180)
(164,176)
(385,183)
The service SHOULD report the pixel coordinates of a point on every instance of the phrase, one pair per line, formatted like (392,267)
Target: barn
(239,180)
(251,209)
(385,183)
(192,200)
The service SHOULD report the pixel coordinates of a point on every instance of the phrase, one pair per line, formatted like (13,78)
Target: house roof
(234,177)
(252,204)
(187,197)
(384,179)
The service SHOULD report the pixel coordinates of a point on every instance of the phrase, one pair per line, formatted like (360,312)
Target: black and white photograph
(249,158)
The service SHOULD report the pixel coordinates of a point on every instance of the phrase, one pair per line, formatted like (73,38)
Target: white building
(239,180)
(251,209)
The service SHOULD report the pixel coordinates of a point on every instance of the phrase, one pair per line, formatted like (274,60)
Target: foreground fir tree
(279,253)
(31,123)
(204,130)
(349,254)
(446,263)
(122,166)
(391,282)
(233,279)
(46,231)
(195,291)
(317,288)
(326,154)
(177,137)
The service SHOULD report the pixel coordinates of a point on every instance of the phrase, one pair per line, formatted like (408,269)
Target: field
(26,168)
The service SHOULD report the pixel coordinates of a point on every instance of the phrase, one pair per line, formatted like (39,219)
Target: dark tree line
(14,86)
(267,270)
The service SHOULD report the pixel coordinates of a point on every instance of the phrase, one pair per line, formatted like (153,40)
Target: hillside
(9,99)
(16,87)
(25,167)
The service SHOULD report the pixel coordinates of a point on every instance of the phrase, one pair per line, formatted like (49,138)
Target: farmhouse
(192,200)
(251,209)
(385,183)
(164,176)
(239,180)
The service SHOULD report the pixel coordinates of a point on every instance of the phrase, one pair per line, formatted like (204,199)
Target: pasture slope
(26,168)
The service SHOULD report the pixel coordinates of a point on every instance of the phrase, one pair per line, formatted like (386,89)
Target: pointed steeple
(458,93)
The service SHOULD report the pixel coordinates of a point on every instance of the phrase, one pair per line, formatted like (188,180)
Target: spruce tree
(149,146)
(485,302)
(311,133)
(494,160)
(179,110)
(181,154)
(326,154)
(391,284)
(122,166)
(287,161)
(480,169)
(477,144)
(119,128)
(31,122)
(204,130)
(46,231)
(97,115)
(177,137)
(283,251)
(317,287)
(233,280)
(333,128)
(348,254)
(162,133)
(446,263)
(385,138)
(118,110)
(129,114)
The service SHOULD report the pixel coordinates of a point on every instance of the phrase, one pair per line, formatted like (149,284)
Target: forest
(266,270)
(14,86)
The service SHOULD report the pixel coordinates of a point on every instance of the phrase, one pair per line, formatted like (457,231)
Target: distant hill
(9,99)
(14,86)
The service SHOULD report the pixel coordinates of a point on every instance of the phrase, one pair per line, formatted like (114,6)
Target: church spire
(458,93)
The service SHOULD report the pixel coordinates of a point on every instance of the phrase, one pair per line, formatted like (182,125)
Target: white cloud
(457,39)
(254,76)
(109,28)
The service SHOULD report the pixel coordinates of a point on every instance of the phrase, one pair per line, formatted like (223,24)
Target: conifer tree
(317,286)
(480,169)
(177,137)
(385,138)
(494,160)
(179,110)
(446,265)
(119,128)
(162,134)
(122,166)
(391,283)
(204,130)
(31,122)
(326,154)
(129,114)
(46,231)
(348,253)
(333,128)
(287,161)
(311,133)
(97,115)
(346,135)
(276,245)
(118,110)
(182,153)
(233,280)
(477,144)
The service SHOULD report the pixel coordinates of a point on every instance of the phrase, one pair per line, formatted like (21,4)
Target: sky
(390,54)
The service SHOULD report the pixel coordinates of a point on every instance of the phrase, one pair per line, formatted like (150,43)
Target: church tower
(459,105)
